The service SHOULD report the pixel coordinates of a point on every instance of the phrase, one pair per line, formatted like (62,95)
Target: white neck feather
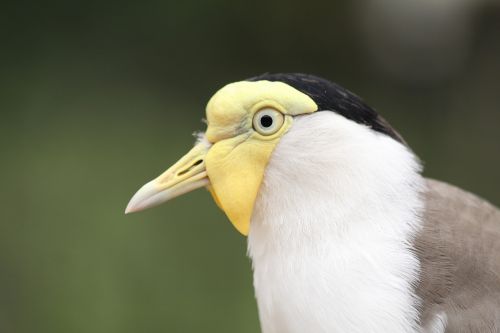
(331,231)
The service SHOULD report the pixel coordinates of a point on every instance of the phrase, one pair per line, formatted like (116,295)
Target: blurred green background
(98,97)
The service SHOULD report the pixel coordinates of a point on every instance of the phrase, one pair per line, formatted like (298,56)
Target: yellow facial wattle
(233,161)
(239,155)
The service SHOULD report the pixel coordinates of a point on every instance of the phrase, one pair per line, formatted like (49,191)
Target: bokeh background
(98,97)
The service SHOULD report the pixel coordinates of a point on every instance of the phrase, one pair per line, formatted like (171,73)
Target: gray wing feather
(459,251)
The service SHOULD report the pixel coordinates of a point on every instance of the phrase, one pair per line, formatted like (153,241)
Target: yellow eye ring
(267,121)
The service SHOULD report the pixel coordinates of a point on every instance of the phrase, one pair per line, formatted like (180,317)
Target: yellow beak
(186,175)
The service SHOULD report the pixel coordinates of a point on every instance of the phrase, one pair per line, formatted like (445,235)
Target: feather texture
(459,251)
(331,231)
(347,236)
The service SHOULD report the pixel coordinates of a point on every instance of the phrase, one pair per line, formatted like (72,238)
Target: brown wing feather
(459,250)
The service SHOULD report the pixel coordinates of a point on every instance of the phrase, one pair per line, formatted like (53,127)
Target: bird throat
(327,248)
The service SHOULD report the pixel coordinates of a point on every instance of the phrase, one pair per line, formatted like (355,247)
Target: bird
(344,232)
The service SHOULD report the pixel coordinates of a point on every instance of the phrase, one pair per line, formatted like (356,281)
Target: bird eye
(267,121)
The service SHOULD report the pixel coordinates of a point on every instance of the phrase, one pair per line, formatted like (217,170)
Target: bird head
(246,121)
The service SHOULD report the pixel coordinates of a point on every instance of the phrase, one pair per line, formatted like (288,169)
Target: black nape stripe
(329,96)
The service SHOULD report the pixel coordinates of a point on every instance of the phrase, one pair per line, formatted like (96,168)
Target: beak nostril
(198,162)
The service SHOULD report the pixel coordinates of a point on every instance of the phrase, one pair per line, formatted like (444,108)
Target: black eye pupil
(266,121)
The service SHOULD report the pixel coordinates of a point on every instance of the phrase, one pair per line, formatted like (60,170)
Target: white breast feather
(330,232)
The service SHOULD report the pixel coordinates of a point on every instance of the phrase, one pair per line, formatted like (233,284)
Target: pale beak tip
(140,198)
(130,209)
(135,204)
